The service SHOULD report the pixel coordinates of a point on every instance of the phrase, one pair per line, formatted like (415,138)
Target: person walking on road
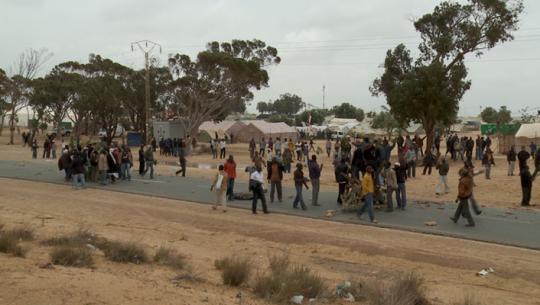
(299,182)
(368,188)
(182,160)
(465,189)
(488,161)
(443,169)
(219,186)
(328,147)
(315,175)
(78,170)
(256,185)
(341,173)
(275,177)
(526,185)
(511,159)
(230,169)
(390,180)
(222,148)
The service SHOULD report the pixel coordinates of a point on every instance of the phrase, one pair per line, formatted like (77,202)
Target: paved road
(512,227)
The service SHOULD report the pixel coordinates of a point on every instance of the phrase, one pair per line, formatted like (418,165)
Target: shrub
(234,271)
(22,233)
(81,237)
(285,281)
(406,290)
(72,256)
(169,257)
(9,243)
(468,299)
(123,252)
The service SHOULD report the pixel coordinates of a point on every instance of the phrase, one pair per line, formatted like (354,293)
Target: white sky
(340,44)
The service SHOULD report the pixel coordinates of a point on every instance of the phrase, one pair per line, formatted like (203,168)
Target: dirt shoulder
(336,251)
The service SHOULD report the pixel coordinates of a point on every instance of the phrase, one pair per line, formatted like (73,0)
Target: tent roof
(269,128)
(530,131)
(223,125)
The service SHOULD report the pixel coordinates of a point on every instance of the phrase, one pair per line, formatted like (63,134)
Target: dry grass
(169,257)
(285,281)
(79,238)
(234,271)
(123,252)
(406,290)
(22,233)
(468,299)
(9,243)
(72,256)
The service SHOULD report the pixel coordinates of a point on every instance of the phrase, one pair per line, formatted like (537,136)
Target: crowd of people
(363,169)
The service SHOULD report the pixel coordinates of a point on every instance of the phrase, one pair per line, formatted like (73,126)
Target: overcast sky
(339,44)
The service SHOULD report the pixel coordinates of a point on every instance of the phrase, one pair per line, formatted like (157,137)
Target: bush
(468,299)
(406,290)
(123,252)
(169,257)
(9,243)
(25,233)
(81,237)
(285,281)
(234,271)
(72,256)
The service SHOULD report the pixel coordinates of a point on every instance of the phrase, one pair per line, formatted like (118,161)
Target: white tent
(529,131)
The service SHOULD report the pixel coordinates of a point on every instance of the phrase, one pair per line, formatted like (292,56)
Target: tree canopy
(348,111)
(428,90)
(497,117)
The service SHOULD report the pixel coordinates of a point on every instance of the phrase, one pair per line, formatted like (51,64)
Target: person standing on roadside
(411,158)
(103,167)
(299,182)
(219,186)
(141,160)
(77,173)
(511,159)
(222,148)
(443,168)
(315,175)
(126,164)
(182,159)
(275,177)
(465,189)
(256,185)
(230,169)
(252,148)
(368,188)
(536,163)
(523,156)
(488,161)
(526,185)
(34,147)
(149,160)
(401,178)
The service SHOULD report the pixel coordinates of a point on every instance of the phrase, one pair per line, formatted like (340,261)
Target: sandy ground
(336,251)
(501,191)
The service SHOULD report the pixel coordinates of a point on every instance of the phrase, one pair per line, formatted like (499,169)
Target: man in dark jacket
(536,163)
(526,185)
(342,174)
(78,170)
(511,159)
(275,176)
(357,162)
(315,176)
(64,163)
(465,189)
(523,156)
(401,192)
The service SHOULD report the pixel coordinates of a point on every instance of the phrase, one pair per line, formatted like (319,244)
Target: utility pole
(323,96)
(146,46)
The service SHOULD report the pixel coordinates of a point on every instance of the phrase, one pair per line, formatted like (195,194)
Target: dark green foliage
(429,89)
(348,111)
(234,270)
(72,256)
(169,257)
(499,118)
(285,281)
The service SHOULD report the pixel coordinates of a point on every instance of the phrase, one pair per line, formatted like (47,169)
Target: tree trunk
(12,128)
(2,124)
(430,136)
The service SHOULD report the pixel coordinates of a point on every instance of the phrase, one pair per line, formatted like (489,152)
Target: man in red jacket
(230,169)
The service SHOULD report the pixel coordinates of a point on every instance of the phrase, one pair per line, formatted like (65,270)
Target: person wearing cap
(368,188)
(465,189)
(299,182)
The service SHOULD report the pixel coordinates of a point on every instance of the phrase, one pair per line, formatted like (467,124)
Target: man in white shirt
(256,185)
(222,148)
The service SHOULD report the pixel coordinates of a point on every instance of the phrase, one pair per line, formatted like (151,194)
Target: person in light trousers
(219,186)
(511,158)
(443,169)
